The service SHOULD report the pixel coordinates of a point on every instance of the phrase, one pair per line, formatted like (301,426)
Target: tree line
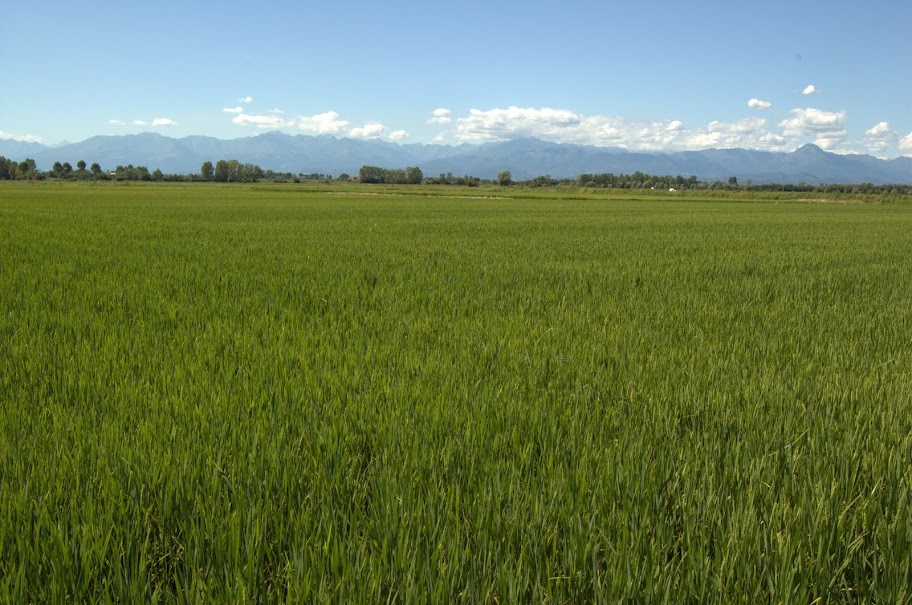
(376,175)
(12,170)
(234,171)
(223,171)
(231,171)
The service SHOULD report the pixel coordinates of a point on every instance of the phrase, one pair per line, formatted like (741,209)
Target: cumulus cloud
(117,123)
(563,126)
(321,123)
(371,130)
(810,89)
(327,123)
(441,115)
(758,104)
(243,119)
(140,123)
(237,109)
(879,137)
(750,133)
(247,99)
(163,122)
(905,143)
(827,128)
(515,122)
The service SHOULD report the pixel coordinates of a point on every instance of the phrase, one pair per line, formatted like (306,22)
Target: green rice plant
(268,394)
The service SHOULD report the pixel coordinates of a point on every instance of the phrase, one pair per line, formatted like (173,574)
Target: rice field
(268,394)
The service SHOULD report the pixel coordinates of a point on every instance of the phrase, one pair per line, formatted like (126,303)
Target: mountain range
(525,158)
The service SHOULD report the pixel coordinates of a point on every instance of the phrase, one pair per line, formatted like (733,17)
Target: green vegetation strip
(216,394)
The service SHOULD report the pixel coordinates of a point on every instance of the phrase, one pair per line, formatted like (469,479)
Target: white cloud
(321,123)
(749,133)
(879,137)
(810,89)
(246,99)
(28,138)
(828,143)
(758,104)
(327,123)
(371,130)
(827,127)
(905,143)
(243,119)
(237,109)
(117,123)
(515,122)
(163,122)
(563,126)
(441,115)
(879,129)
(140,123)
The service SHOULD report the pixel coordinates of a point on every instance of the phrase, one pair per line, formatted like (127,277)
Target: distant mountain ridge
(525,158)
(19,150)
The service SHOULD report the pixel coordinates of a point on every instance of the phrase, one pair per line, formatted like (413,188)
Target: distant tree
(253,173)
(394,176)
(371,174)
(96,169)
(67,169)
(344,177)
(245,173)
(27,169)
(57,168)
(733,181)
(81,165)
(157,175)
(413,175)
(5,166)
(505,178)
(221,171)
(207,171)
(544,180)
(233,171)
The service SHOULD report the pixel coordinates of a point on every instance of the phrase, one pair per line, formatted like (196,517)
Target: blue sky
(648,75)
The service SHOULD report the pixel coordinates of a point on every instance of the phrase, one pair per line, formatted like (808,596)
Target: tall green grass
(234,395)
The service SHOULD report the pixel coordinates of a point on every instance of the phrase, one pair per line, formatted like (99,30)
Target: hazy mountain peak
(810,149)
